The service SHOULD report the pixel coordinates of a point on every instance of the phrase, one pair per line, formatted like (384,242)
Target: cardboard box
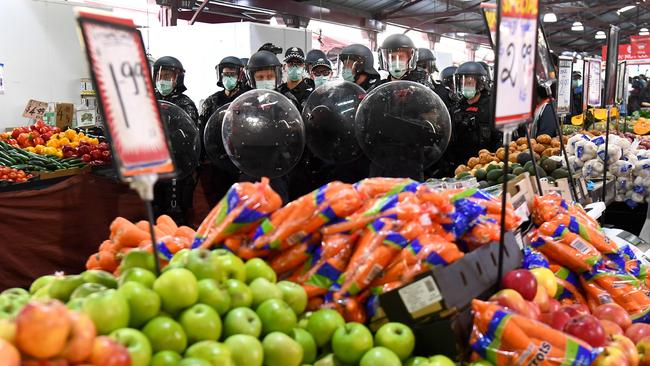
(563,188)
(521,194)
(62,173)
(448,336)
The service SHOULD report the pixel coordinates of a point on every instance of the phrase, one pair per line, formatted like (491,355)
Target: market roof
(457,18)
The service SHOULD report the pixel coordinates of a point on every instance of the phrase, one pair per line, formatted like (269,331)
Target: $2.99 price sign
(515,67)
(120,70)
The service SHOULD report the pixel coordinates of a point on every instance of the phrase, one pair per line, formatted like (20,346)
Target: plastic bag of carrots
(375,187)
(506,338)
(564,247)
(604,285)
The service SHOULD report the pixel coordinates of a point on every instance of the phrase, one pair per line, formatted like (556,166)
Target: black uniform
(418,75)
(301,92)
(182,101)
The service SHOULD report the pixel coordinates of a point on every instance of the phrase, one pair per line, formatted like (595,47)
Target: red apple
(556,319)
(533,311)
(48,362)
(611,356)
(615,313)
(542,299)
(82,337)
(512,300)
(107,352)
(553,305)
(9,355)
(587,328)
(643,349)
(42,328)
(575,309)
(627,346)
(637,331)
(522,281)
(611,328)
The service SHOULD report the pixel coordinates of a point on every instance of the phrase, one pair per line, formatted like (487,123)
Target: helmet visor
(264,75)
(350,62)
(398,59)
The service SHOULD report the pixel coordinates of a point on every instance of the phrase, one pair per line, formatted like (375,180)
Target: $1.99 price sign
(120,70)
(515,66)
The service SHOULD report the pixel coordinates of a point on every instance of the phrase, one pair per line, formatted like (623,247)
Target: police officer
(576,93)
(356,66)
(264,71)
(312,56)
(320,71)
(447,78)
(398,55)
(231,77)
(169,75)
(427,62)
(297,84)
(472,119)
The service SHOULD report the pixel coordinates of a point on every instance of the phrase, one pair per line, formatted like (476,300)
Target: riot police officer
(427,62)
(320,71)
(312,56)
(356,66)
(264,71)
(447,78)
(297,84)
(169,76)
(230,76)
(472,119)
(398,55)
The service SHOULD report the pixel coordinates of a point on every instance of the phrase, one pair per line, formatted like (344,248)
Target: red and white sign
(634,53)
(119,67)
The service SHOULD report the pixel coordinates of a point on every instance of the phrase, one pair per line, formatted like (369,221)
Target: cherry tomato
(21,174)
(13,175)
(21,180)
(4,177)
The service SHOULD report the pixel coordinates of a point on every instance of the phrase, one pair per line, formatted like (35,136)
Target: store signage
(489,11)
(515,64)
(621,83)
(611,65)
(634,53)
(564,85)
(35,109)
(594,83)
(119,68)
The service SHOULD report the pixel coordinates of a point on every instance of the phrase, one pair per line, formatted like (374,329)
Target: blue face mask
(294,73)
(265,84)
(229,82)
(348,75)
(320,80)
(165,87)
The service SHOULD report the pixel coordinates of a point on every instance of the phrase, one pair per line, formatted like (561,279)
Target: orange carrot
(290,258)
(128,235)
(93,262)
(143,225)
(107,261)
(185,232)
(117,224)
(167,221)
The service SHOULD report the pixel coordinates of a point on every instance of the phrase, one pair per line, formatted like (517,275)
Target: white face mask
(265,84)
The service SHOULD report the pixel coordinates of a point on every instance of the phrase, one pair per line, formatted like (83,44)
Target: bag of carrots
(569,250)
(604,285)
(593,235)
(533,259)
(506,338)
(375,187)
(546,207)
(243,207)
(568,284)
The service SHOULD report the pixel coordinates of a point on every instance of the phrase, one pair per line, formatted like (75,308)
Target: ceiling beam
(384,15)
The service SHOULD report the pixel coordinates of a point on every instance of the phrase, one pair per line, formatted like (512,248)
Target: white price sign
(515,66)
(564,86)
(119,66)
(594,80)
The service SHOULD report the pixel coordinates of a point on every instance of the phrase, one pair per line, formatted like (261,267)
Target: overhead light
(625,8)
(577,27)
(550,18)
(600,35)
(644,32)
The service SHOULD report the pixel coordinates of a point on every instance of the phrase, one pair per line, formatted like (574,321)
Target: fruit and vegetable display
(20,159)
(30,136)
(12,175)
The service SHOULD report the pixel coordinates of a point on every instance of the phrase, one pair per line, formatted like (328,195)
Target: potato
(523,147)
(555,143)
(513,157)
(544,139)
(501,154)
(513,145)
(548,152)
(533,142)
(483,151)
(521,141)
(539,148)
(485,158)
(556,151)
(472,162)
(461,169)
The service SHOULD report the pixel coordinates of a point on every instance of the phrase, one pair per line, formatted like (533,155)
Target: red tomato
(15,133)
(96,154)
(21,180)
(86,158)
(23,139)
(4,177)
(12,141)
(39,141)
(106,155)
(47,136)
(44,129)
(13,175)
(40,123)
(21,174)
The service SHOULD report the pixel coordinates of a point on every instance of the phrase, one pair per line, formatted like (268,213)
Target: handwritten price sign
(515,66)
(119,67)
(564,86)
(594,83)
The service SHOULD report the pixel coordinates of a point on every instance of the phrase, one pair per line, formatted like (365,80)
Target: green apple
(481,363)
(165,333)
(178,289)
(246,350)
(397,337)
(351,341)
(308,344)
(179,257)
(380,356)
(200,323)
(194,362)
(76,304)
(417,361)
(40,283)
(138,258)
(304,319)
(10,306)
(16,293)
(136,343)
(172,266)
(137,274)
(165,358)
(281,350)
(263,290)
(101,277)
(42,293)
(240,294)
(202,263)
(215,295)
(258,268)
(329,360)
(276,316)
(87,289)
(63,286)
(144,303)
(108,309)
(322,324)
(242,321)
(229,267)
(214,352)
(294,295)
(440,360)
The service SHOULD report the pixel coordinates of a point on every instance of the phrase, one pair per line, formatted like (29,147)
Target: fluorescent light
(550,18)
(577,27)
(644,33)
(600,35)
(625,8)
(643,30)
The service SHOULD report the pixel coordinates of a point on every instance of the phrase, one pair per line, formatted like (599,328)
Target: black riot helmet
(426,60)
(398,55)
(489,73)
(312,56)
(263,60)
(470,75)
(173,64)
(231,62)
(447,77)
(359,59)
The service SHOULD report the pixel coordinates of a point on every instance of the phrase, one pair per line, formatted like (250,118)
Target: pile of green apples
(210,308)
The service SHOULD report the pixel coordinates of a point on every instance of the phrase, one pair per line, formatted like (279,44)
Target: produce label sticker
(422,297)
(35,109)
(594,83)
(120,73)
(564,86)
(515,64)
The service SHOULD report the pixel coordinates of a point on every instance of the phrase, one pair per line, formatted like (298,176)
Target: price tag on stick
(564,85)
(119,68)
(594,81)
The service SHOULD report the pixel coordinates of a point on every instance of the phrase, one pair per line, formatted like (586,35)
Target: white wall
(42,56)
